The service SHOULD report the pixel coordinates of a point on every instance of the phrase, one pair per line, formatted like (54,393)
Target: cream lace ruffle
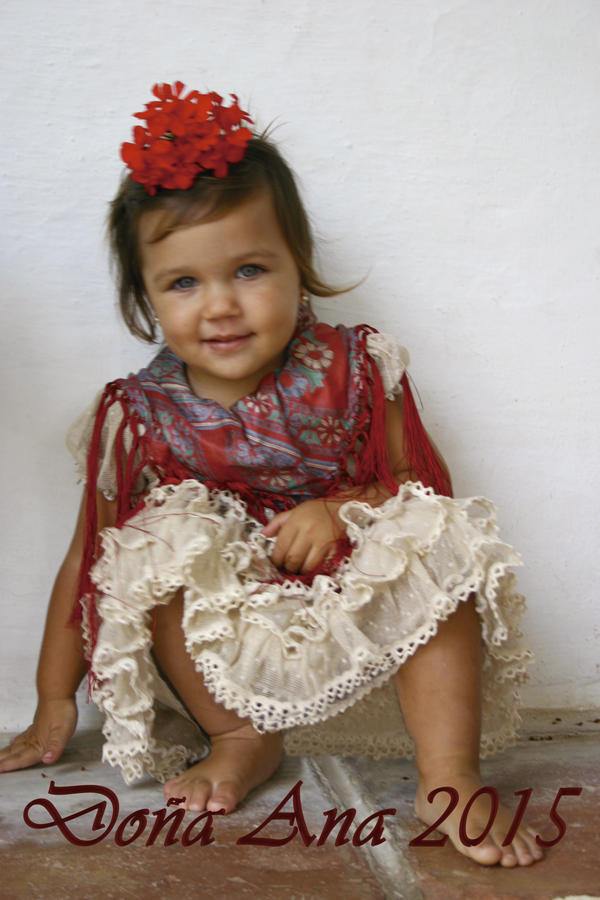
(308,659)
(391,359)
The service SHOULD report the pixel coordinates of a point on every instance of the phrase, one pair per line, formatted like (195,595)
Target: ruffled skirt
(314,661)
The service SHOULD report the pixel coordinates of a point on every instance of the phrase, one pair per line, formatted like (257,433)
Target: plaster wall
(448,151)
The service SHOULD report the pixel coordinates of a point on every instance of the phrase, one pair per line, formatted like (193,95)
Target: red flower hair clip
(185,136)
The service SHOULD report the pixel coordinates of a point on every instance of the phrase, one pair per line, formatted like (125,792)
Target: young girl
(267,543)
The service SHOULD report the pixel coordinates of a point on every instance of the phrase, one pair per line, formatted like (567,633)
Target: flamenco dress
(311,656)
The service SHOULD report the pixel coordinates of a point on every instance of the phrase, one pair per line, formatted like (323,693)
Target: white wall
(449,150)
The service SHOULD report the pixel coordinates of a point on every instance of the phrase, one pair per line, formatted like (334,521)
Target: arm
(61,665)
(305,534)
(376,493)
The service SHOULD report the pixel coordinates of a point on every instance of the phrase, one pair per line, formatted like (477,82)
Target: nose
(219,300)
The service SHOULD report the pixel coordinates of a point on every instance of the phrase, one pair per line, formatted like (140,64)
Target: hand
(305,535)
(44,741)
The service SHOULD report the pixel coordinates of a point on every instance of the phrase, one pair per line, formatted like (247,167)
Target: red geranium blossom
(185,136)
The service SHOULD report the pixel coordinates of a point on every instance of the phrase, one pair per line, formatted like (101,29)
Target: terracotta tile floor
(43,864)
(570,868)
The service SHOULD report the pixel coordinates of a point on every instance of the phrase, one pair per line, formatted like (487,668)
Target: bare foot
(523,851)
(239,761)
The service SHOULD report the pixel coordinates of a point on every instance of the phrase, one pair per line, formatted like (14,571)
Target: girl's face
(226,296)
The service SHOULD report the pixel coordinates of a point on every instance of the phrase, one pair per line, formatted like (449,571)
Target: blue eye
(249,271)
(184,284)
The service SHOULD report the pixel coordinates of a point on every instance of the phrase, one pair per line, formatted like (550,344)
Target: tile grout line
(340,779)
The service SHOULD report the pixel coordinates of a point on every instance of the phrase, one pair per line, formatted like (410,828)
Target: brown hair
(209,198)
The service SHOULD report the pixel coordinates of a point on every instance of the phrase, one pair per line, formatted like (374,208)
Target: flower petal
(185,134)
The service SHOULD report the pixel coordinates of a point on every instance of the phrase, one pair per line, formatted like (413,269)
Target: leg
(439,689)
(240,758)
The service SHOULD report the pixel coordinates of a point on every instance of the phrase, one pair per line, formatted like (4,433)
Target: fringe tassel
(373,463)
(86,588)
(418,452)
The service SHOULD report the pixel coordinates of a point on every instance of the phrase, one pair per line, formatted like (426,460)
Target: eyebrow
(236,260)
(167,274)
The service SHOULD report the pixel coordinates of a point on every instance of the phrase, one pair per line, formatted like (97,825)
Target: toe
(226,796)
(534,848)
(486,853)
(509,859)
(525,849)
(198,796)
(191,795)
(172,788)
(220,804)
(524,857)
(516,854)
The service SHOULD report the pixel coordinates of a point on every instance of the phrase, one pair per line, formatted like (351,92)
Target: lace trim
(132,732)
(392,360)
(291,655)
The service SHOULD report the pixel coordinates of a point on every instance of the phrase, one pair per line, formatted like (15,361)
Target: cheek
(176,322)
(284,314)
(287,327)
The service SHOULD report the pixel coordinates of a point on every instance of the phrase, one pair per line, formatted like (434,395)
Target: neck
(223,392)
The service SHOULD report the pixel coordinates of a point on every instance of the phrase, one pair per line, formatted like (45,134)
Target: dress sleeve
(79,437)
(391,359)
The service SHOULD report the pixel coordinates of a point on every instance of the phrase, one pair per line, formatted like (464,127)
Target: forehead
(254,219)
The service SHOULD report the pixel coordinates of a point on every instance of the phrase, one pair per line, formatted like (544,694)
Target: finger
(316,555)
(27,750)
(5,753)
(54,748)
(21,759)
(274,526)
(20,739)
(284,541)
(56,743)
(295,556)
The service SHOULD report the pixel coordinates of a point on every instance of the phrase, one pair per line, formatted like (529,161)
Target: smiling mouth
(221,339)
(228,341)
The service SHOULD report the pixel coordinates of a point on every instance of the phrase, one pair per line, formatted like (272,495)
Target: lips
(221,338)
(225,342)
